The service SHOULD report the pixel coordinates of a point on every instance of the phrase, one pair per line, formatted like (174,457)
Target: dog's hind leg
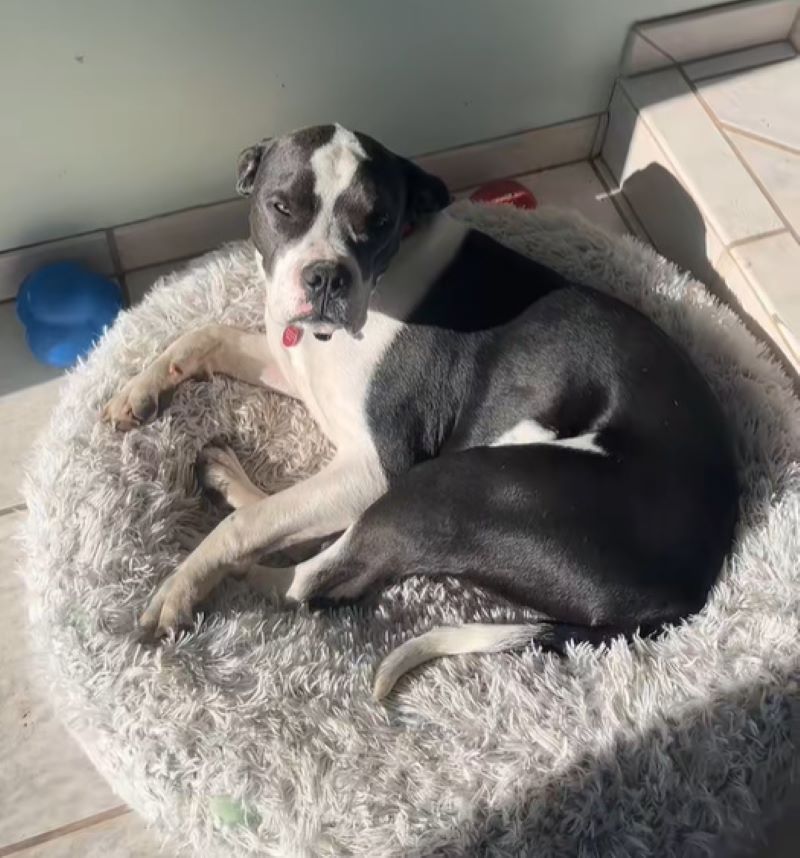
(569,533)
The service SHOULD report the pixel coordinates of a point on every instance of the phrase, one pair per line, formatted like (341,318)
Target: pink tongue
(292,336)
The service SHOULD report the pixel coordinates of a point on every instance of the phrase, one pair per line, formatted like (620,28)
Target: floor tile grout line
(62,830)
(770,233)
(524,173)
(10,510)
(595,140)
(599,135)
(739,157)
(175,260)
(113,251)
(758,295)
(638,229)
(32,245)
(103,229)
(751,135)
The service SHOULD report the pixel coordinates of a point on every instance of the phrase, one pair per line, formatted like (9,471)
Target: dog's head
(329,209)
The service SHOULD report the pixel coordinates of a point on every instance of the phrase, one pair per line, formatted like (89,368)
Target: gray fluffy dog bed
(256,734)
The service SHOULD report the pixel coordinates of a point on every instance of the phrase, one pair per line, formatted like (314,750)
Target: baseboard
(516,154)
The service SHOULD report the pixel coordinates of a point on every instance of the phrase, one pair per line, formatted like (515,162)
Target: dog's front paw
(171,608)
(134,405)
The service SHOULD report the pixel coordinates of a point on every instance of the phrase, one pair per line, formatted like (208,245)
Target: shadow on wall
(682,238)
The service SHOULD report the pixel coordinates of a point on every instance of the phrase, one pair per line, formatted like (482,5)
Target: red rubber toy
(505,192)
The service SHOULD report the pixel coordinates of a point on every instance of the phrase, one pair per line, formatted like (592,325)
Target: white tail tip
(448,640)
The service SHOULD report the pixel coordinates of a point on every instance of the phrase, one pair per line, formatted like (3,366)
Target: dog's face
(329,208)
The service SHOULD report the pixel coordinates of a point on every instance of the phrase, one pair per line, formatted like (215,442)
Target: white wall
(112,110)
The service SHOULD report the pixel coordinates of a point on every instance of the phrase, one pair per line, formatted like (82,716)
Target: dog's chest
(332,378)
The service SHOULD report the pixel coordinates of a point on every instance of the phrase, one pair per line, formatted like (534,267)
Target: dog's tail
(480,637)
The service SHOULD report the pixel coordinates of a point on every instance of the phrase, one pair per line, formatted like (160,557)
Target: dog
(492,420)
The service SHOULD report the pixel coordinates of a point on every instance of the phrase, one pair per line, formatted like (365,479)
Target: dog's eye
(281,208)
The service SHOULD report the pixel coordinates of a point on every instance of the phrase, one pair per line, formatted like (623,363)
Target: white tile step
(707,154)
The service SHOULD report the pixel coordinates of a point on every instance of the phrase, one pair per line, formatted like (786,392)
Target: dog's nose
(326,277)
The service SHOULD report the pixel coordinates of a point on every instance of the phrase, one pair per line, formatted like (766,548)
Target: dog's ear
(247,167)
(426,193)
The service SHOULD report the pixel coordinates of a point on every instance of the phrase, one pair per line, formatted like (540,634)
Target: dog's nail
(144,635)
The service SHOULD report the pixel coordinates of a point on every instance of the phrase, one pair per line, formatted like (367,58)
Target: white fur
(332,377)
(447,640)
(530,432)
(525,432)
(587,443)
(307,572)
(422,257)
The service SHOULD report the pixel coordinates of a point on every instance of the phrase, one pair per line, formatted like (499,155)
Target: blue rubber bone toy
(64,308)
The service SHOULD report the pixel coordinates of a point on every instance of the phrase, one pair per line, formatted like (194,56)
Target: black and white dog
(491,419)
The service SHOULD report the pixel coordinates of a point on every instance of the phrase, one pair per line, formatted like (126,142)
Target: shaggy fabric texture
(256,734)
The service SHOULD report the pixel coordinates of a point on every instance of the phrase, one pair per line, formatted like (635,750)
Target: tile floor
(719,140)
(52,803)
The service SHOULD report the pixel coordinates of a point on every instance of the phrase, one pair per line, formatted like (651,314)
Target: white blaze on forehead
(335,164)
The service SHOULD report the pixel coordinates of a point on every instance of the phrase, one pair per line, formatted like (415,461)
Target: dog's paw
(171,609)
(134,405)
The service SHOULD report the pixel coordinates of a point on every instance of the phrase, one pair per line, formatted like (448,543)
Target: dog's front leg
(326,503)
(197,354)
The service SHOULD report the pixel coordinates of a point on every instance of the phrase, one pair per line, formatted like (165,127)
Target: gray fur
(664,747)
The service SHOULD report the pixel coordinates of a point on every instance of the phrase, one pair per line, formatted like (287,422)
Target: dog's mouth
(326,313)
(314,321)
(323,323)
